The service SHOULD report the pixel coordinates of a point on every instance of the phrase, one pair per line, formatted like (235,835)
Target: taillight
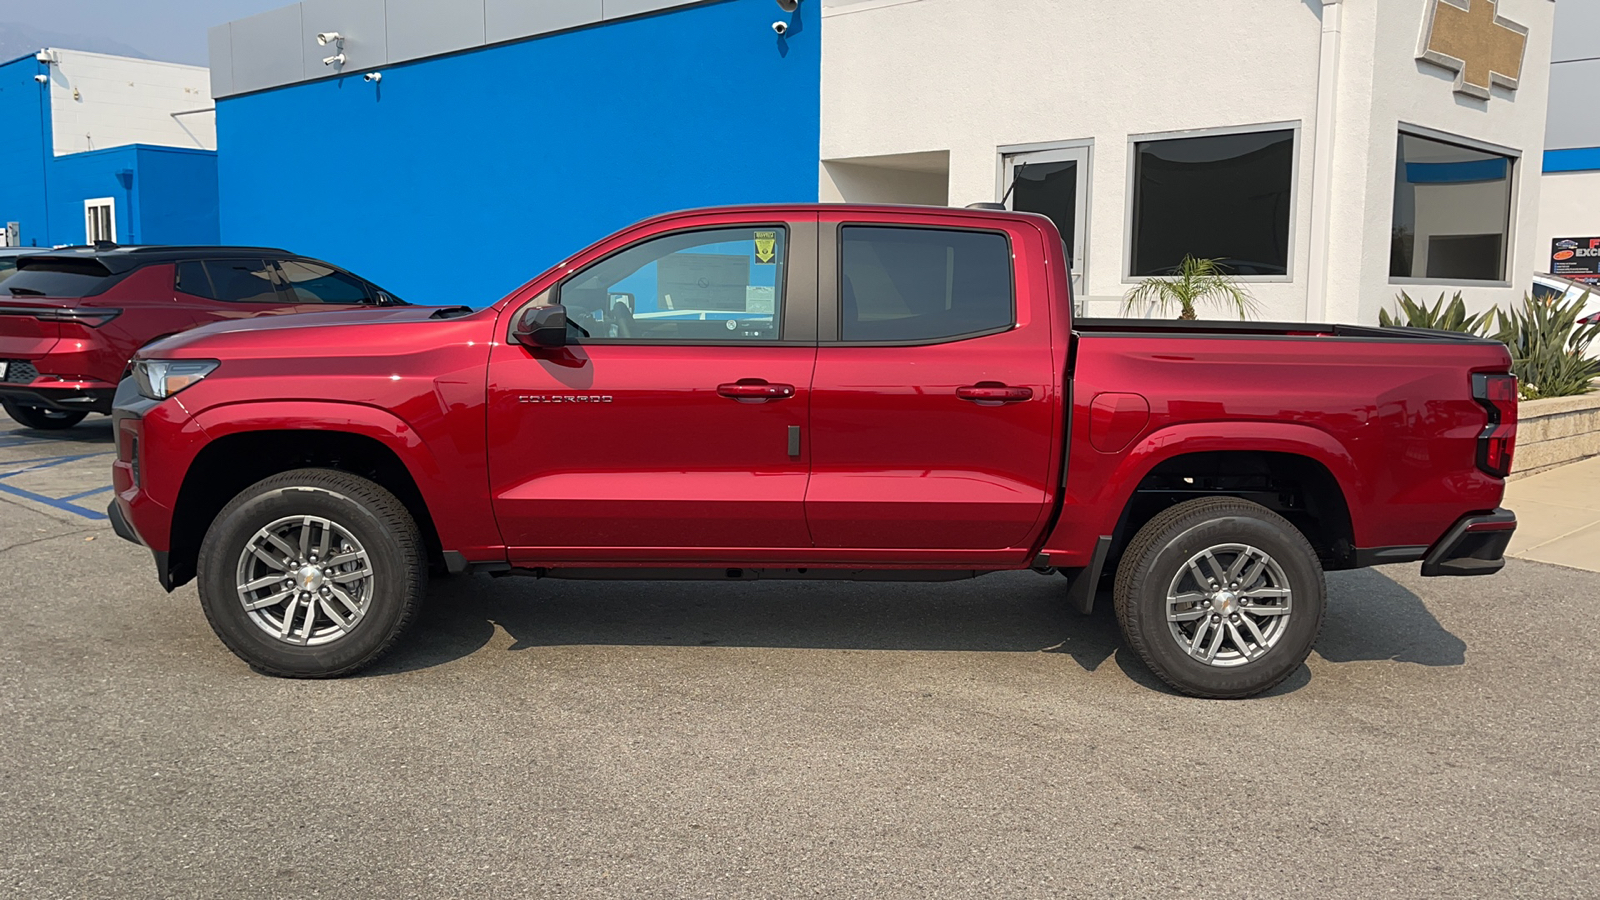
(92,317)
(1593,319)
(1497,394)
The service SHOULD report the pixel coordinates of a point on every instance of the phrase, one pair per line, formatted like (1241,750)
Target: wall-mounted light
(372,77)
(324,38)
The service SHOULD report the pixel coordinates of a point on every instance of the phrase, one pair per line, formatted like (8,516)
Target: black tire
(1156,563)
(378,524)
(42,419)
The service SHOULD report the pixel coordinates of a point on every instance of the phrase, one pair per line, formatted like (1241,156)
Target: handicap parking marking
(63,503)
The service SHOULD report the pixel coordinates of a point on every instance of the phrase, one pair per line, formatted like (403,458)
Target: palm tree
(1196,281)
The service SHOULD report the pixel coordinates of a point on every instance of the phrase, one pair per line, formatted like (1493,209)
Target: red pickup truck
(810,392)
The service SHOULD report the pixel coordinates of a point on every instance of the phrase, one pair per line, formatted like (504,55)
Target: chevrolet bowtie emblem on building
(1471,39)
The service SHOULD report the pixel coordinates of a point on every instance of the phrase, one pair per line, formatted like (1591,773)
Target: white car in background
(1555,288)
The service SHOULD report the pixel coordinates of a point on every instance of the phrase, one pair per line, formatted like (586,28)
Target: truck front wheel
(312,573)
(1220,597)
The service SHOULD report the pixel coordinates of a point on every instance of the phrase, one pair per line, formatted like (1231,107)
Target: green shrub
(1451,317)
(1549,350)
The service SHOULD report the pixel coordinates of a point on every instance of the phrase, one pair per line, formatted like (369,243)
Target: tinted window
(312,282)
(1222,197)
(1452,212)
(718,285)
(914,284)
(235,281)
(59,278)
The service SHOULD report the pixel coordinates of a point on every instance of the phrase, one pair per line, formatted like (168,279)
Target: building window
(1225,197)
(100,220)
(923,284)
(1452,212)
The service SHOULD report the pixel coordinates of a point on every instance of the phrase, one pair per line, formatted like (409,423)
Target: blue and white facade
(106,147)
(452,150)
(1571,190)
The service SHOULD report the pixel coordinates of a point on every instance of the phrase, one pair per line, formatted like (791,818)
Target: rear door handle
(755,390)
(991,392)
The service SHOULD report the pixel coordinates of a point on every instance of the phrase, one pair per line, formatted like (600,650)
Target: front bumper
(1474,545)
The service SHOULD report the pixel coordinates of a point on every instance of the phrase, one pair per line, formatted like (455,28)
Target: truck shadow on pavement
(1370,618)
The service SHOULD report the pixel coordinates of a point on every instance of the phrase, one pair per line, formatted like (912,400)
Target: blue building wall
(176,193)
(24,148)
(457,178)
(164,195)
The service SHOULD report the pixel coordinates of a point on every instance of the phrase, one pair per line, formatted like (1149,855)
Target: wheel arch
(1247,459)
(239,458)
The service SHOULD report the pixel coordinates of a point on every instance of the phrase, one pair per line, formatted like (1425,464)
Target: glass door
(1055,183)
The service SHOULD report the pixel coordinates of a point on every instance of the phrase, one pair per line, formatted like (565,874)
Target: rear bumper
(1474,545)
(69,397)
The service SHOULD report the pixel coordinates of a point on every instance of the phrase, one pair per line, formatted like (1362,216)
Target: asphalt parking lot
(774,739)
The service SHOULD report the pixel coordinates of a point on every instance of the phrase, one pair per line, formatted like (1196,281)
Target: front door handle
(993,392)
(755,390)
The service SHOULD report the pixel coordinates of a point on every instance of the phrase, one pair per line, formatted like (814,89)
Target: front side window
(1225,197)
(1452,212)
(717,285)
(312,282)
(923,284)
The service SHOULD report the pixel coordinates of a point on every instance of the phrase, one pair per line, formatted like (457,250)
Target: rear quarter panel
(1394,422)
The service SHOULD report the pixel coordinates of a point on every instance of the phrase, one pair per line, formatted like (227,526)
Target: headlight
(159,379)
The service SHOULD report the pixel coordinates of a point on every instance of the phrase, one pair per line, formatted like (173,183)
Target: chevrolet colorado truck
(809,392)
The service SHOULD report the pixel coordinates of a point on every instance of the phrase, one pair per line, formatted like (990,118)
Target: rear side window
(923,284)
(313,282)
(229,280)
(37,277)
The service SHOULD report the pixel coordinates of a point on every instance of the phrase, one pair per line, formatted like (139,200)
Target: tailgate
(23,334)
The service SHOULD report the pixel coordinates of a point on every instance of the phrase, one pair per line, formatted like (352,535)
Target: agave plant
(1196,281)
(1549,349)
(1444,317)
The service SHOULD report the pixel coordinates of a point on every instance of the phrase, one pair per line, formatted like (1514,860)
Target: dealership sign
(1576,258)
(1471,39)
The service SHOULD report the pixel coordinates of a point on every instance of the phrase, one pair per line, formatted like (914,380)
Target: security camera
(41,78)
(335,60)
(324,38)
(43,56)
(373,77)
(788,5)
(781,28)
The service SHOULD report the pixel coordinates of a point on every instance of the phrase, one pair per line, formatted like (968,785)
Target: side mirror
(541,326)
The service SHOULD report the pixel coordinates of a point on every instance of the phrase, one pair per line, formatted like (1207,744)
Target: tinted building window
(1452,212)
(919,284)
(1223,197)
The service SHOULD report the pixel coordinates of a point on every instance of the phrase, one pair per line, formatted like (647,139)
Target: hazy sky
(173,30)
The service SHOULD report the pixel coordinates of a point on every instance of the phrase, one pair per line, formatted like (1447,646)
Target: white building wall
(971,76)
(1383,87)
(1569,207)
(99,101)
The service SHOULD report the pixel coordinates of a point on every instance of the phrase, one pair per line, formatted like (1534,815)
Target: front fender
(460,512)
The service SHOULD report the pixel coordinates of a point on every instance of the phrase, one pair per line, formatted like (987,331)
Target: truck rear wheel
(1220,597)
(311,573)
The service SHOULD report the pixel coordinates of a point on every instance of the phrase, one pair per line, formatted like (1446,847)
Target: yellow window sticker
(766,246)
